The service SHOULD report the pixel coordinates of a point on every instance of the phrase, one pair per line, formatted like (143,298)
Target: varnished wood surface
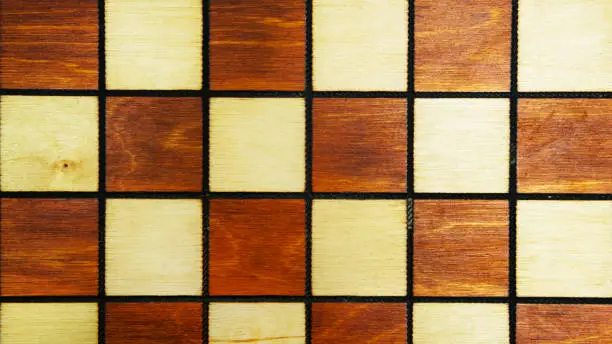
(359,145)
(257,45)
(153,144)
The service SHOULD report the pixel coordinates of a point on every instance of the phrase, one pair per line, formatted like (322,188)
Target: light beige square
(154,44)
(49,143)
(565,45)
(153,247)
(461,145)
(460,323)
(257,144)
(359,247)
(564,248)
(49,323)
(360,45)
(278,323)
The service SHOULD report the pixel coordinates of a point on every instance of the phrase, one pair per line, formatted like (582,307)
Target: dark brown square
(462,45)
(565,145)
(358,323)
(359,145)
(257,45)
(460,248)
(49,44)
(154,323)
(49,247)
(257,247)
(154,144)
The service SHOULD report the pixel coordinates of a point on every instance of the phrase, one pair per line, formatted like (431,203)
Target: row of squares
(260,45)
(259,144)
(258,247)
(285,323)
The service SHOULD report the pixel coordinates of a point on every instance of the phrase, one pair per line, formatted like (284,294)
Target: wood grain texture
(257,45)
(153,44)
(254,322)
(359,247)
(50,44)
(154,144)
(49,143)
(257,247)
(49,323)
(360,45)
(565,45)
(153,247)
(49,247)
(462,46)
(154,323)
(460,248)
(553,324)
(565,145)
(564,248)
(359,145)
(359,323)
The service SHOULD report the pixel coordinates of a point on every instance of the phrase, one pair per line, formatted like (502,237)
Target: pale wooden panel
(461,145)
(49,323)
(49,143)
(565,45)
(359,247)
(360,45)
(153,247)
(153,44)
(257,144)
(564,248)
(278,323)
(460,323)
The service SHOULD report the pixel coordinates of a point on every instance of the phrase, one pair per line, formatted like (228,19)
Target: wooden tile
(552,324)
(281,323)
(153,247)
(360,45)
(462,46)
(461,145)
(359,145)
(257,45)
(565,145)
(154,44)
(358,323)
(564,45)
(257,247)
(154,144)
(49,323)
(359,247)
(153,322)
(563,248)
(49,247)
(49,44)
(64,154)
(460,248)
(460,323)
(257,144)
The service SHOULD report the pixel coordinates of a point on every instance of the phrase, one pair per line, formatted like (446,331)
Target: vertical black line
(308,98)
(512,173)
(410,168)
(101,172)
(205,166)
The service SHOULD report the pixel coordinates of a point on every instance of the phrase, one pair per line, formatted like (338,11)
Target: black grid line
(410,171)
(101,172)
(308,99)
(205,94)
(512,174)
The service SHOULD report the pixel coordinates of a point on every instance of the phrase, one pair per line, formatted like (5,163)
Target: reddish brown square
(49,44)
(154,323)
(359,145)
(257,247)
(257,45)
(565,145)
(49,247)
(460,248)
(154,144)
(358,323)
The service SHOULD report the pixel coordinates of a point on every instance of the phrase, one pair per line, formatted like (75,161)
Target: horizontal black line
(42,92)
(256,94)
(248,195)
(358,94)
(462,94)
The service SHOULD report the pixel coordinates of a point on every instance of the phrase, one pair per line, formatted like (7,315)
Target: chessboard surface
(305,171)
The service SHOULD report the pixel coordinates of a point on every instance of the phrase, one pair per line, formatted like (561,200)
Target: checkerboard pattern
(305,171)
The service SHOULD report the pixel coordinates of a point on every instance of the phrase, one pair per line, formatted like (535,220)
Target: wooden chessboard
(318,171)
